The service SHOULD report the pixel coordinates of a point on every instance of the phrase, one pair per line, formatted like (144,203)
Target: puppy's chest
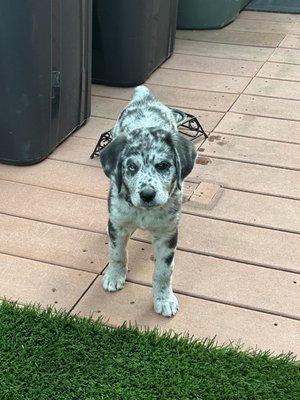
(151,220)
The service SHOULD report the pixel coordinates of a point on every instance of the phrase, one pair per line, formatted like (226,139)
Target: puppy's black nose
(147,195)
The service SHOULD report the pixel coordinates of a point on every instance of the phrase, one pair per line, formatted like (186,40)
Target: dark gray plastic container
(131,38)
(208,14)
(282,6)
(45,75)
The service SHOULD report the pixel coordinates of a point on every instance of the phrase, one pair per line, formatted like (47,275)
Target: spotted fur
(146,162)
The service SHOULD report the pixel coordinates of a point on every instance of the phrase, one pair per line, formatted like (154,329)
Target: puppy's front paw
(113,280)
(166,305)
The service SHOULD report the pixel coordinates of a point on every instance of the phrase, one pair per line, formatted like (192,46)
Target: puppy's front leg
(165,302)
(115,275)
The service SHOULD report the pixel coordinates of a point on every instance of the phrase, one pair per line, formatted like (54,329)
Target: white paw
(166,305)
(113,280)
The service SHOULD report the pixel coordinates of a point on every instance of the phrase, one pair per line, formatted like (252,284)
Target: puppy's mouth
(133,203)
(145,205)
(151,205)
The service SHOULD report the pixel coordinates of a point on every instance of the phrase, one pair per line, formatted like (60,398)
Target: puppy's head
(148,165)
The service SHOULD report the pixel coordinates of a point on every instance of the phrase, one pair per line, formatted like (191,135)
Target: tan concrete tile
(29,281)
(280,71)
(296,28)
(56,207)
(267,16)
(88,213)
(186,62)
(223,50)
(68,218)
(53,244)
(267,107)
(250,208)
(176,97)
(260,26)
(188,190)
(291,41)
(274,88)
(53,174)
(209,119)
(200,81)
(205,195)
(248,177)
(227,281)
(236,36)
(195,99)
(198,317)
(94,127)
(76,150)
(263,152)
(260,127)
(238,242)
(291,56)
(105,107)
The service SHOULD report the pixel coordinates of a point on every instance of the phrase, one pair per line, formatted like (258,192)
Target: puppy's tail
(142,92)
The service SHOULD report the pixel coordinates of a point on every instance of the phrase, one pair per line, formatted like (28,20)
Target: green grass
(45,356)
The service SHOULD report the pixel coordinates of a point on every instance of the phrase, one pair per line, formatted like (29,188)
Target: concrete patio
(238,263)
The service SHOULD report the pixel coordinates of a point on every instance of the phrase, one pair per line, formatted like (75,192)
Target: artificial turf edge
(39,349)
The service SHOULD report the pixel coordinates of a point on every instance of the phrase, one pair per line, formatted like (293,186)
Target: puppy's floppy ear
(185,155)
(110,158)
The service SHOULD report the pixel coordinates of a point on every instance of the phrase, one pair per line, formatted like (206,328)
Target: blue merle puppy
(146,162)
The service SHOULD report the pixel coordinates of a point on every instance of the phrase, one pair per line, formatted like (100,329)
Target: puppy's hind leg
(115,275)
(165,302)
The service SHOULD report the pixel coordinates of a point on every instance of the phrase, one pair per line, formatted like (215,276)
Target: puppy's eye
(132,168)
(162,166)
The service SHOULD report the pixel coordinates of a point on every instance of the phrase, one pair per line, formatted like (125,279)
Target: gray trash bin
(45,72)
(208,14)
(131,38)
